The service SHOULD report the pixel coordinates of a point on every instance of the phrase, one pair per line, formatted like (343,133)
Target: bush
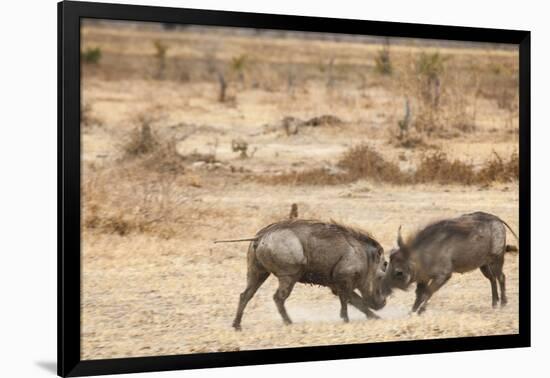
(382,60)
(359,162)
(363,162)
(91,55)
(160,54)
(431,66)
(436,167)
(141,140)
(496,169)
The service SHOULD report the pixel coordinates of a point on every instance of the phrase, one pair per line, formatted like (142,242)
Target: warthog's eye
(398,273)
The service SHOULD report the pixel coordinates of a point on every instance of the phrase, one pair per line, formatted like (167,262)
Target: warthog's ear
(400,242)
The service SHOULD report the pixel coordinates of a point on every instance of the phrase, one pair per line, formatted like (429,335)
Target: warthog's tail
(510,228)
(235,240)
(511,248)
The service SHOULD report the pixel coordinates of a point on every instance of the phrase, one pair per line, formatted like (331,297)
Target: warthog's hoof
(373,316)
(237,327)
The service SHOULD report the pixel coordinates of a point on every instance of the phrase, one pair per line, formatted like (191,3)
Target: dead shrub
(165,159)
(497,169)
(359,162)
(150,151)
(160,55)
(141,140)
(436,167)
(382,60)
(363,162)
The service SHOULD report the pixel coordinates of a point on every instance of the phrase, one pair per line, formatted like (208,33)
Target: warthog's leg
(488,272)
(420,288)
(502,282)
(356,301)
(255,279)
(344,307)
(286,284)
(433,286)
(343,291)
(496,268)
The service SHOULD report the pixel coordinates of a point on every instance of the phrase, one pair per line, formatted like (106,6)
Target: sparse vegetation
(141,141)
(160,54)
(362,162)
(382,59)
(436,167)
(152,152)
(91,55)
(238,66)
(87,117)
(145,204)
(498,169)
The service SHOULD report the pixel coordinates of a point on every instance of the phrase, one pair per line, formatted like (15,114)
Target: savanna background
(192,134)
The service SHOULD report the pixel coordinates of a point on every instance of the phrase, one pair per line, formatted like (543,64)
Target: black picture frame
(69,148)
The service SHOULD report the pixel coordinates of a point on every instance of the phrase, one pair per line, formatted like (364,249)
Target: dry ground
(153,283)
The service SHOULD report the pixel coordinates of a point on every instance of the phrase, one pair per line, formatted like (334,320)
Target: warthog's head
(378,298)
(399,273)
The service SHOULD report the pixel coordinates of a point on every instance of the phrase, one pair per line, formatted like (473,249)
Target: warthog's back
(308,248)
(466,242)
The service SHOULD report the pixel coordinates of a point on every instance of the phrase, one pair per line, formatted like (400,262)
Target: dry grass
(359,162)
(144,295)
(362,162)
(131,199)
(437,167)
(497,169)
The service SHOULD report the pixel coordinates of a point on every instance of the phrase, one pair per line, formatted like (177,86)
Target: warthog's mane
(445,227)
(323,229)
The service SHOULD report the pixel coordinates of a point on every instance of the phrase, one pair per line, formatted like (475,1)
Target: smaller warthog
(326,254)
(462,244)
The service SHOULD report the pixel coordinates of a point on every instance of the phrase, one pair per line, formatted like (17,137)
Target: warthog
(326,254)
(462,244)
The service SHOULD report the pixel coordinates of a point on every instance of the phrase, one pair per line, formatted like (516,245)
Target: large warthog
(326,254)
(462,244)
